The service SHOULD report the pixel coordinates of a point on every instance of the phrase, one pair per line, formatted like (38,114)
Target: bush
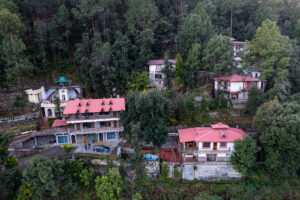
(67,147)
(25,192)
(164,171)
(11,162)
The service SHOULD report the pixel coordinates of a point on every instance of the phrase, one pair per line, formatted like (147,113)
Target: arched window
(49,111)
(63,97)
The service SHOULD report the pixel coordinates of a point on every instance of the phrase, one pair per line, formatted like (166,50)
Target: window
(157,76)
(206,144)
(103,124)
(223,144)
(111,135)
(223,136)
(158,66)
(62,139)
(211,157)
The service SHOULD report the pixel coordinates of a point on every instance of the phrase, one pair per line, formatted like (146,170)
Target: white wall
(235,86)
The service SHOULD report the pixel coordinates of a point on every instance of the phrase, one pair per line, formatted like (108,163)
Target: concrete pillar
(46,112)
(184,146)
(35,142)
(98,135)
(53,112)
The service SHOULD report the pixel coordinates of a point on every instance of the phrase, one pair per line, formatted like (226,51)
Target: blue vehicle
(150,157)
(101,148)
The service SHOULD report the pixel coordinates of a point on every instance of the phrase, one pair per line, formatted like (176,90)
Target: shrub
(11,162)
(25,192)
(67,147)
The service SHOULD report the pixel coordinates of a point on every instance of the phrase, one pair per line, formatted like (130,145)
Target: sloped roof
(216,133)
(160,62)
(237,78)
(235,41)
(94,105)
(59,122)
(62,79)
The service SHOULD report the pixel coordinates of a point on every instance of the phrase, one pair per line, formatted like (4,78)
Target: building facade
(156,76)
(91,120)
(237,86)
(208,144)
(64,92)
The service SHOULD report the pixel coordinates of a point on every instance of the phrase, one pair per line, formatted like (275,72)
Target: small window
(87,104)
(63,139)
(206,144)
(158,76)
(102,103)
(79,105)
(111,135)
(211,157)
(223,136)
(110,103)
(223,144)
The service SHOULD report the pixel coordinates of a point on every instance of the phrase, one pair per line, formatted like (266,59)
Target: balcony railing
(95,130)
(93,117)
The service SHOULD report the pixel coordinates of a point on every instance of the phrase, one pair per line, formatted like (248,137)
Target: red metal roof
(216,133)
(59,122)
(160,62)
(170,155)
(235,41)
(237,78)
(94,105)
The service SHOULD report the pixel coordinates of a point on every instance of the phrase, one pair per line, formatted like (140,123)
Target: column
(98,136)
(46,112)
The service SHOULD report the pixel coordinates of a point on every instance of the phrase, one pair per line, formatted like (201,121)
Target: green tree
(87,177)
(12,46)
(109,186)
(195,28)
(25,192)
(193,65)
(57,107)
(152,110)
(294,68)
(44,175)
(266,114)
(4,143)
(10,181)
(179,68)
(140,18)
(256,97)
(281,142)
(244,155)
(168,72)
(269,51)
(282,87)
(218,55)
(138,81)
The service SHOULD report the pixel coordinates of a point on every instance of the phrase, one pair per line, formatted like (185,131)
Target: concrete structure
(35,96)
(91,120)
(208,144)
(237,86)
(156,76)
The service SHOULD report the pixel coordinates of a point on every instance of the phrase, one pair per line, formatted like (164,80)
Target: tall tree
(218,55)
(109,187)
(140,19)
(179,68)
(152,111)
(13,47)
(244,154)
(44,175)
(195,28)
(168,71)
(269,51)
(4,142)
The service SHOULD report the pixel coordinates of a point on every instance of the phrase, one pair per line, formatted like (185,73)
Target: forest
(105,45)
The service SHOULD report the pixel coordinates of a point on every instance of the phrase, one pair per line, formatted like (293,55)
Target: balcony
(81,118)
(95,130)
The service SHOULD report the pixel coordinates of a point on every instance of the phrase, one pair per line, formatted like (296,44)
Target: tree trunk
(93,23)
(231,23)
(15,59)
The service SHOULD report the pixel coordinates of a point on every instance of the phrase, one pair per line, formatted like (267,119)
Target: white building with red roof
(90,120)
(156,76)
(208,144)
(237,86)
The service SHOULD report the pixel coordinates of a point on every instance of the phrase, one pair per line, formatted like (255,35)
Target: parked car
(101,148)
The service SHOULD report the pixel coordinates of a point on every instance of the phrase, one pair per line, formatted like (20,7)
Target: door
(215,145)
(73,139)
(84,139)
(248,85)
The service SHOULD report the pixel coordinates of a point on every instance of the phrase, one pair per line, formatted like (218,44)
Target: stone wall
(153,169)
(209,171)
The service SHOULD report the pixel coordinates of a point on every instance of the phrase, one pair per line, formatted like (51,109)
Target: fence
(20,117)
